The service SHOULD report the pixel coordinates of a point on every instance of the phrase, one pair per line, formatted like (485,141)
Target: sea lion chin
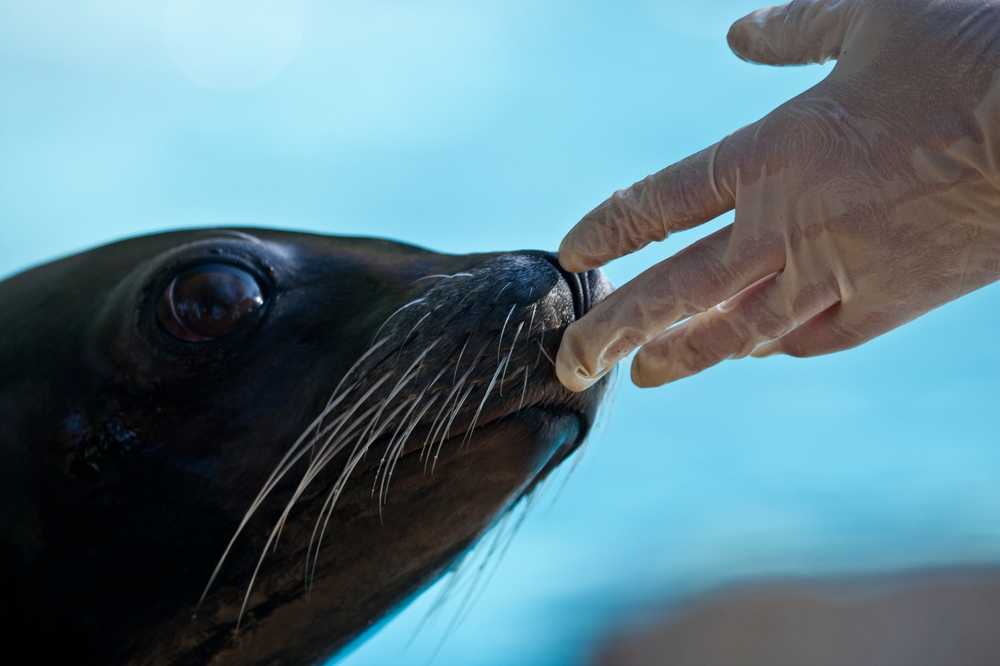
(246,446)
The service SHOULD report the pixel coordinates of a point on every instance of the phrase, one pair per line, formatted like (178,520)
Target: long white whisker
(335,442)
(287,461)
(534,309)
(333,446)
(475,419)
(438,423)
(524,389)
(495,300)
(500,340)
(402,441)
(459,361)
(271,537)
(357,454)
(527,335)
(545,352)
(331,502)
(325,450)
(472,291)
(406,378)
(396,443)
(443,277)
(371,350)
(398,310)
(402,344)
(335,493)
(412,403)
(362,449)
(510,354)
(371,439)
(447,429)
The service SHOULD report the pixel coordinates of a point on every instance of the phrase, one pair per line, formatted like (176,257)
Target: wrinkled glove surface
(861,204)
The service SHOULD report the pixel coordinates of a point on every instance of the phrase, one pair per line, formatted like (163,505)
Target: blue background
(479,126)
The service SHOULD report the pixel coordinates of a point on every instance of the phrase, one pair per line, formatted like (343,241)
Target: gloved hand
(861,204)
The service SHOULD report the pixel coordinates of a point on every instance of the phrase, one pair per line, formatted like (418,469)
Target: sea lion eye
(208,301)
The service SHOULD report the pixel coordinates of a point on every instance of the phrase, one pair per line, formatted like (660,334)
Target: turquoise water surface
(481,126)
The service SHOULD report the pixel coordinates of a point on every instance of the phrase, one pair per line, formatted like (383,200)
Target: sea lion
(245,446)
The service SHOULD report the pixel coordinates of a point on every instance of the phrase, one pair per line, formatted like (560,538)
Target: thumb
(796,33)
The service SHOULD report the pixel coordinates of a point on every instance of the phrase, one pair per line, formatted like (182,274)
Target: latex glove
(861,204)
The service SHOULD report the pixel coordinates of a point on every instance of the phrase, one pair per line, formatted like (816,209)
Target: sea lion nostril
(579,286)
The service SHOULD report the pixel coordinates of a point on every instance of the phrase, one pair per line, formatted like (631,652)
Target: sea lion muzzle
(301,431)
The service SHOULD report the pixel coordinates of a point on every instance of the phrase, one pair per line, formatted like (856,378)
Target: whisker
(432,432)
(531,323)
(331,501)
(332,438)
(472,291)
(287,461)
(335,443)
(450,585)
(370,434)
(443,277)
(545,352)
(356,455)
(459,361)
(524,389)
(507,539)
(408,375)
(500,292)
(327,508)
(371,440)
(402,344)
(414,421)
(451,420)
(455,621)
(500,340)
(475,419)
(402,442)
(398,310)
(510,354)
(274,533)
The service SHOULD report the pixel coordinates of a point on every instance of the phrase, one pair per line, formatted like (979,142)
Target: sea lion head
(285,433)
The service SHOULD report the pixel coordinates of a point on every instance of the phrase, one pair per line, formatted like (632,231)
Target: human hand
(866,201)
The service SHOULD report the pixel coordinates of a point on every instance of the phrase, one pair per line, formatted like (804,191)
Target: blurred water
(485,126)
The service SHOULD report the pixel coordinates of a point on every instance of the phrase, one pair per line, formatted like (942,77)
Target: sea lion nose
(580,285)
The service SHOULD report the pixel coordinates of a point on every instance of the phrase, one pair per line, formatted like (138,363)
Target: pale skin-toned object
(861,204)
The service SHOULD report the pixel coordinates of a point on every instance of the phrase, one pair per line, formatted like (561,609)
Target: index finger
(679,197)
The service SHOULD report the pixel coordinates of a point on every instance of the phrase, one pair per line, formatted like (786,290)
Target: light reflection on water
(495,126)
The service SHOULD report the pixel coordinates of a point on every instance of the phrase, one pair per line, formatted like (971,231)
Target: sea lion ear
(207,301)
